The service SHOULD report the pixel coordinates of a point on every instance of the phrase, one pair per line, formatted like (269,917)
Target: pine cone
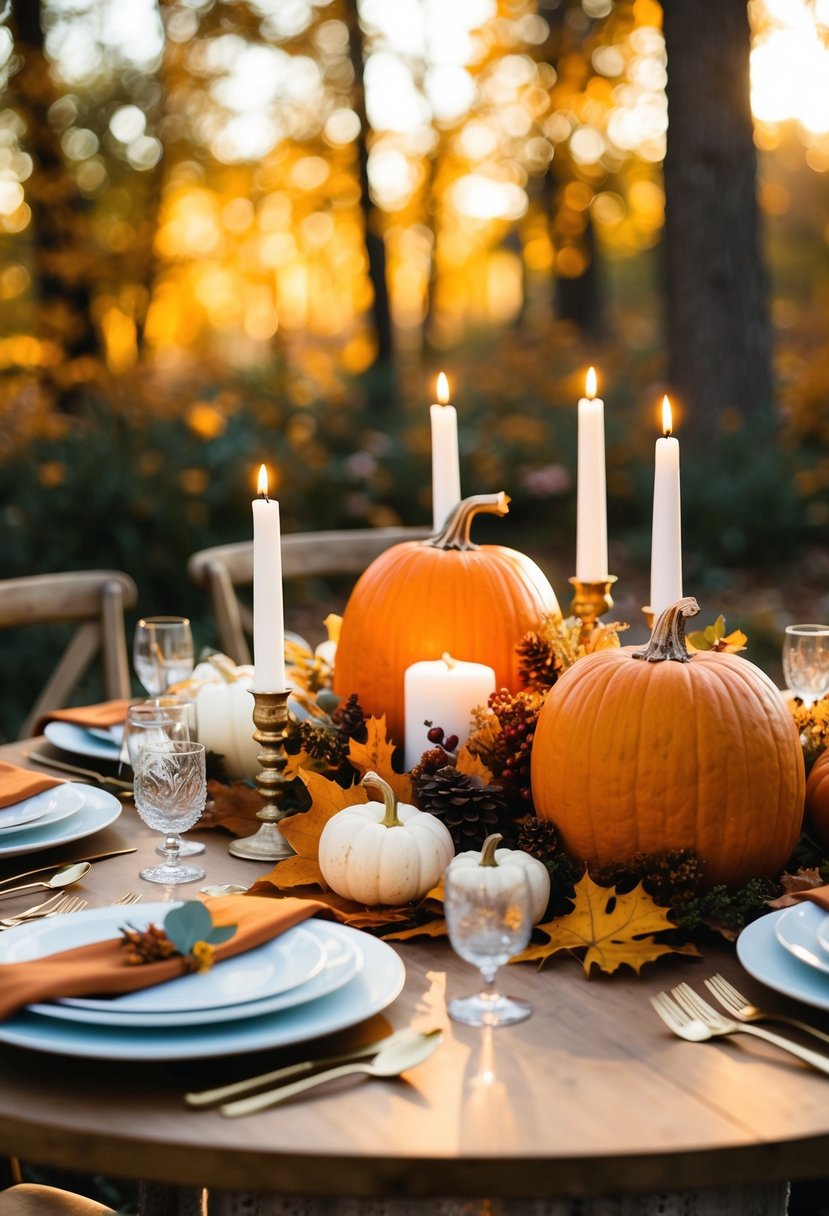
(538,664)
(350,719)
(539,838)
(469,809)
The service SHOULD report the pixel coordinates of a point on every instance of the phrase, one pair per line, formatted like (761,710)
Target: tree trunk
(375,245)
(719,337)
(62,261)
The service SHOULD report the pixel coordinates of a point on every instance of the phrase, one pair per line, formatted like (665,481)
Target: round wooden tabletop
(590,1096)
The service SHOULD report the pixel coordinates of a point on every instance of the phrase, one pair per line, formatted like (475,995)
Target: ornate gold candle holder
(270,717)
(590,601)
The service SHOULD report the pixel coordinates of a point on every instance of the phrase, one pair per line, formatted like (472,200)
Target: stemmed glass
(170,791)
(162,652)
(489,920)
(153,723)
(806,661)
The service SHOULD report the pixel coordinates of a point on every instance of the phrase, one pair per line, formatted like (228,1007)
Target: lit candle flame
(667,420)
(262,484)
(443,389)
(590,383)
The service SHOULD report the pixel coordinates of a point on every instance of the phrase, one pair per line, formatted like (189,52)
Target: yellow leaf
(432,928)
(375,756)
(296,872)
(296,763)
(333,625)
(473,766)
(303,831)
(613,929)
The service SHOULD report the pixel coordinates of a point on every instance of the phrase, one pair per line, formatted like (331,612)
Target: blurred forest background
(244,230)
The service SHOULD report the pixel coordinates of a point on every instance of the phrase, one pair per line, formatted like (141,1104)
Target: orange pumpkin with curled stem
(421,599)
(646,751)
(817,799)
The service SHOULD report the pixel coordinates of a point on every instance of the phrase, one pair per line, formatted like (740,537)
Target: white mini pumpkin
(383,853)
(497,869)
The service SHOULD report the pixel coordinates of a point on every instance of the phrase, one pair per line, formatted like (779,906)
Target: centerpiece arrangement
(661,789)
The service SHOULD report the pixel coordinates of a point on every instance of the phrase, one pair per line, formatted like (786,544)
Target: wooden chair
(95,600)
(220,570)
(32,1199)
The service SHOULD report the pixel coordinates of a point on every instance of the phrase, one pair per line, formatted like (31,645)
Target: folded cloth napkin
(17,784)
(105,713)
(101,969)
(816,895)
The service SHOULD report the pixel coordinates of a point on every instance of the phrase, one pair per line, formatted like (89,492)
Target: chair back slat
(94,599)
(223,568)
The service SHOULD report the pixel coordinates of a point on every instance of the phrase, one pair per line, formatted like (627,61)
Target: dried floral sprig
(547,652)
(502,738)
(188,930)
(812,721)
(713,637)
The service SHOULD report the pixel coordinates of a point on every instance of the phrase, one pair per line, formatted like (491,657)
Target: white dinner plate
(50,806)
(98,810)
(763,957)
(77,739)
(798,930)
(822,935)
(342,960)
(372,989)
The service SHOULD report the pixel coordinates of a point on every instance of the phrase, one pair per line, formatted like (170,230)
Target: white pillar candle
(268,624)
(446,475)
(591,516)
(666,541)
(443,692)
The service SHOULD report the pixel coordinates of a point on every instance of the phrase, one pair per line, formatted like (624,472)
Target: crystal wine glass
(157,721)
(170,792)
(489,917)
(162,652)
(806,661)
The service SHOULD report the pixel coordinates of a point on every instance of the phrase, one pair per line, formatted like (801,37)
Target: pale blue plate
(81,742)
(763,957)
(98,810)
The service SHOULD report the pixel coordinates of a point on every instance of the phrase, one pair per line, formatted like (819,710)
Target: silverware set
(691,1017)
(59,905)
(387,1057)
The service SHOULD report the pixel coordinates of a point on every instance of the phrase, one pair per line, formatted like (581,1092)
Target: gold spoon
(394,1059)
(64,877)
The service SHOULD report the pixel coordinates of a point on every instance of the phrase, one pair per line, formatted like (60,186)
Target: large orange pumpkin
(817,799)
(658,749)
(421,599)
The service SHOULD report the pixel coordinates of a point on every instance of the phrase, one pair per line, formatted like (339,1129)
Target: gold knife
(90,774)
(57,864)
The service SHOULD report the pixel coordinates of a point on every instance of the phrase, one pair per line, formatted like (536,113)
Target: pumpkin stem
(455,532)
(225,667)
(488,851)
(667,641)
(382,790)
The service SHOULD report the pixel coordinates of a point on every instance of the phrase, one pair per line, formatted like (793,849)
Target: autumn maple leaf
(375,755)
(303,831)
(614,930)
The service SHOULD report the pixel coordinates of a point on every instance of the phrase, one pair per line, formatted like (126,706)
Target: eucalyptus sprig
(188,930)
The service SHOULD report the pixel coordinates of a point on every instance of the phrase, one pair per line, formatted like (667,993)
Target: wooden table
(591,1096)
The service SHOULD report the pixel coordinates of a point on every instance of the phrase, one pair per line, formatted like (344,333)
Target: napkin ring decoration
(187,931)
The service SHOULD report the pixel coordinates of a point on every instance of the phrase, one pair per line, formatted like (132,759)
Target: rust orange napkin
(816,895)
(17,783)
(105,713)
(100,969)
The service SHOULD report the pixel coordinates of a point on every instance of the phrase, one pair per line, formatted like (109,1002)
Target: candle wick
(448,660)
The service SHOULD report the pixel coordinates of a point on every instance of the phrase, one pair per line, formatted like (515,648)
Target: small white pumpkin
(383,853)
(500,867)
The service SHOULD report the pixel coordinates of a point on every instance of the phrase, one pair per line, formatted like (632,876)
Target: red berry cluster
(517,715)
(436,734)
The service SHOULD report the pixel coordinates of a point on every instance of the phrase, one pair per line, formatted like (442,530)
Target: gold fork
(125,900)
(55,906)
(697,1015)
(739,1007)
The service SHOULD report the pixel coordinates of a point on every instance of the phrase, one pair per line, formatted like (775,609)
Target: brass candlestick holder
(270,717)
(590,601)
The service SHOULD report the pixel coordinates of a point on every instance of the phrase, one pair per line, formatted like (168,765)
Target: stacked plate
(96,743)
(789,951)
(314,979)
(66,812)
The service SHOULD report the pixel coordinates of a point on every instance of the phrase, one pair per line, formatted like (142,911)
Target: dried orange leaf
(432,928)
(615,930)
(232,807)
(375,755)
(295,872)
(303,831)
(473,766)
